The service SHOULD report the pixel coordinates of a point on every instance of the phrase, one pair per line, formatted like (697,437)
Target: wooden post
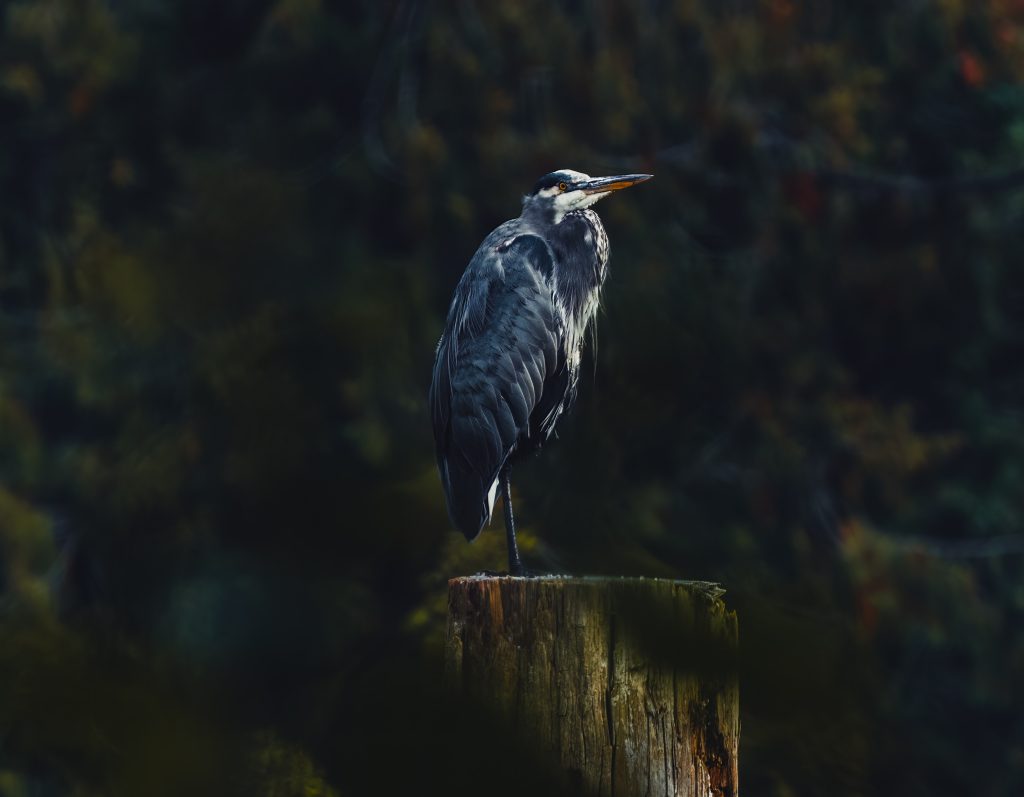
(626,685)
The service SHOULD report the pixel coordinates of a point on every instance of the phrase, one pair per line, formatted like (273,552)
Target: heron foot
(524,572)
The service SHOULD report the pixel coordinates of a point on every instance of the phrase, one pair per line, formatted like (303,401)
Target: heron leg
(515,564)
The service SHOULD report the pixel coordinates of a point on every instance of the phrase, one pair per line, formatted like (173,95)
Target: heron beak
(603,185)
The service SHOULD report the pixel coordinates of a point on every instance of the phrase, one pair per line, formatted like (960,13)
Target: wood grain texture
(626,685)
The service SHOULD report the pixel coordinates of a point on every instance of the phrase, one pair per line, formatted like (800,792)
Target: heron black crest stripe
(552,179)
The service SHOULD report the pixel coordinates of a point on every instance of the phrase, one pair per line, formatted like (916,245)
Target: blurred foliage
(228,235)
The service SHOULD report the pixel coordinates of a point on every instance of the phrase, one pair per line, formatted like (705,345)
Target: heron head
(565,190)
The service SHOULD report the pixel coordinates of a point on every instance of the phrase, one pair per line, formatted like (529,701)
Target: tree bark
(627,686)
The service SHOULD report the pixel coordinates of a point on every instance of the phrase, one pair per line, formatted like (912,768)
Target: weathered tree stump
(626,685)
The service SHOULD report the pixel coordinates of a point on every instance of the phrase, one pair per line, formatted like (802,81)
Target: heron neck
(539,215)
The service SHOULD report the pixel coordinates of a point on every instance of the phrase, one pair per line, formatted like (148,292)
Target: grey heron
(507,364)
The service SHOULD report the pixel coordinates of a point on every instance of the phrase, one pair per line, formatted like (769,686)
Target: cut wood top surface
(708,589)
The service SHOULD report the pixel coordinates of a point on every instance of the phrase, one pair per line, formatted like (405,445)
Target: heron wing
(501,346)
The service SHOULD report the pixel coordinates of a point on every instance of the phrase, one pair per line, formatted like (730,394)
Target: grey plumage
(508,361)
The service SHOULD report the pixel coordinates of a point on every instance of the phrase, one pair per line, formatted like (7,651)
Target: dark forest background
(229,232)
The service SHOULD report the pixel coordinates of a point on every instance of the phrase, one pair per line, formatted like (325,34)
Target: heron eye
(562,186)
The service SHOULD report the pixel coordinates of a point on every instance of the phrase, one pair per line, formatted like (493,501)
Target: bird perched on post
(508,361)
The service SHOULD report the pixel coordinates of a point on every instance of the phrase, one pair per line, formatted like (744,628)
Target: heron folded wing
(493,363)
